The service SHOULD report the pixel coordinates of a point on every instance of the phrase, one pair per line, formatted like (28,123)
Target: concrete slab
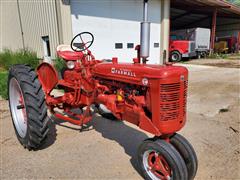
(212,89)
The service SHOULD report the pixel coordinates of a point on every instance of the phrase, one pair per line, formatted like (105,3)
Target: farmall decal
(124,72)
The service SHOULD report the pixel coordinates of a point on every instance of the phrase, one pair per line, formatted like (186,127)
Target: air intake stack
(145,33)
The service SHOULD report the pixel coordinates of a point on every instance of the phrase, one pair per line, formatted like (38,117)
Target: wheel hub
(174,57)
(156,165)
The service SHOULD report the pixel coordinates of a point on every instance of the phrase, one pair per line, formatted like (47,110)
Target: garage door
(116,26)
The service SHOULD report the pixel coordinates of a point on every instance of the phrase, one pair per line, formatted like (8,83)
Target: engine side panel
(159,107)
(134,73)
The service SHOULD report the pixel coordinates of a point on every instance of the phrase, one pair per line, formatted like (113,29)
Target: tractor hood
(134,73)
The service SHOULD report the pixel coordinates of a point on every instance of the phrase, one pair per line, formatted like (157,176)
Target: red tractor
(153,97)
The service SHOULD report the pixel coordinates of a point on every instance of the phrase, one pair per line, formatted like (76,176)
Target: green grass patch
(9,58)
(218,56)
(3,84)
(59,64)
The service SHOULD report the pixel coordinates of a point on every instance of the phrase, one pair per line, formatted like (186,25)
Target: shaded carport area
(221,17)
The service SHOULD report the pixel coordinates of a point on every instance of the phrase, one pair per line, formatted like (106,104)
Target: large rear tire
(27,106)
(187,152)
(160,160)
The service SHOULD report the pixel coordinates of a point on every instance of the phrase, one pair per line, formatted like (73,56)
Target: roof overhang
(225,9)
(193,13)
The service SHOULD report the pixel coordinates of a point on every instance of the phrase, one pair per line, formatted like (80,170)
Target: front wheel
(27,106)
(175,56)
(187,152)
(160,160)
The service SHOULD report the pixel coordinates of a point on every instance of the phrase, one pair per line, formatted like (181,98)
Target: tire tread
(187,152)
(169,152)
(38,121)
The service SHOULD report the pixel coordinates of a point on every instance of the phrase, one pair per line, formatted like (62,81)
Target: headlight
(70,64)
(145,81)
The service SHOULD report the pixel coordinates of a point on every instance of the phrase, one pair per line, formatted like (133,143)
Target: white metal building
(42,25)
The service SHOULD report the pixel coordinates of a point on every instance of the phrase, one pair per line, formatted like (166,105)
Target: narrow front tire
(160,160)
(187,152)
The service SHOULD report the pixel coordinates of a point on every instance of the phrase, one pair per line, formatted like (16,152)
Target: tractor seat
(66,52)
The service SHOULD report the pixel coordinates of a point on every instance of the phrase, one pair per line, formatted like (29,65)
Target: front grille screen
(171,103)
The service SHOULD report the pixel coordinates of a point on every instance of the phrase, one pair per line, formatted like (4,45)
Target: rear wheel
(204,54)
(199,55)
(160,160)
(27,106)
(175,56)
(187,152)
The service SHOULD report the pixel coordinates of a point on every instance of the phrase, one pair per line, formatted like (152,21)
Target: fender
(47,76)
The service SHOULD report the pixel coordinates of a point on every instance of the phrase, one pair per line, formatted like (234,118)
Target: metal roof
(206,6)
(189,13)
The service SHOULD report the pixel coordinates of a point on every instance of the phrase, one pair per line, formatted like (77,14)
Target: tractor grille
(185,97)
(173,100)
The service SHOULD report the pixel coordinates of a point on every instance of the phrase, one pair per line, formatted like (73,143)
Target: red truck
(181,48)
(189,43)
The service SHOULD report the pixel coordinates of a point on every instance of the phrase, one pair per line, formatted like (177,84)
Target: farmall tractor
(153,97)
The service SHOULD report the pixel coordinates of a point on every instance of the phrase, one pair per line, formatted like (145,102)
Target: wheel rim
(17,106)
(174,57)
(156,166)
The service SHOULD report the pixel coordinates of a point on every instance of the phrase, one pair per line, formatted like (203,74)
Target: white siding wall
(115,21)
(65,21)
(10,32)
(38,19)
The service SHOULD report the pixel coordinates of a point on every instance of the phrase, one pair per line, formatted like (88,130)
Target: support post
(165,29)
(213,30)
(238,43)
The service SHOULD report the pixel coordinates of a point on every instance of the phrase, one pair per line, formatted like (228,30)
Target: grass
(9,57)
(59,64)
(218,56)
(3,84)
(235,56)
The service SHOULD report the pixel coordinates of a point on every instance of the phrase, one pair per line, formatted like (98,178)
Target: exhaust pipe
(145,33)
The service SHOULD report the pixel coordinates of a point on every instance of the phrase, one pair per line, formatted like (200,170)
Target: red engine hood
(134,73)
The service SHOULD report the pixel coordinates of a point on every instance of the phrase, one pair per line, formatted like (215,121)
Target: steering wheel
(77,43)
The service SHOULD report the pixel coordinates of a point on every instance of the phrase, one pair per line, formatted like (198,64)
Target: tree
(235,2)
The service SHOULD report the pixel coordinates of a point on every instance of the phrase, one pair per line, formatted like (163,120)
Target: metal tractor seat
(65,51)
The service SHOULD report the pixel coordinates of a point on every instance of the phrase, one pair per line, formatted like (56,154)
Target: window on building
(46,46)
(156,45)
(118,45)
(130,45)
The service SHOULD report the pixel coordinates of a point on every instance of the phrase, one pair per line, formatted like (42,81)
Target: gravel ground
(107,150)
(227,63)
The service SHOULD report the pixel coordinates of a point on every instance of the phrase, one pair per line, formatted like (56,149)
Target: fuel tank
(138,73)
